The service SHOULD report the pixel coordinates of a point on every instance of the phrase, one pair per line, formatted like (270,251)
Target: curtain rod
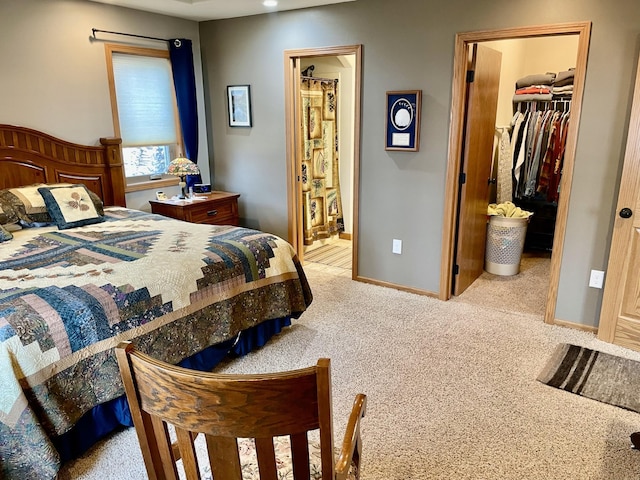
(94,30)
(319,79)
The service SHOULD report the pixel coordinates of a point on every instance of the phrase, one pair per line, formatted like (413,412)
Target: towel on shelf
(564,78)
(536,79)
(533,89)
(533,97)
(564,90)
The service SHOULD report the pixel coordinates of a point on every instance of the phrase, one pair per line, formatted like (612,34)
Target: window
(144,109)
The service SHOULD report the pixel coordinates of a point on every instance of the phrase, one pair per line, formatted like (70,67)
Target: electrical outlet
(596,279)
(397,246)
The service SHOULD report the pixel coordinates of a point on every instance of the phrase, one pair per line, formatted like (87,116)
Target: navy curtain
(181,56)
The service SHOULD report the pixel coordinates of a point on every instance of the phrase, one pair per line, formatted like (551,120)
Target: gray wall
(54,77)
(408,44)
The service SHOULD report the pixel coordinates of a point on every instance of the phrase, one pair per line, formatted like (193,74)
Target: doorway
(341,65)
(454,187)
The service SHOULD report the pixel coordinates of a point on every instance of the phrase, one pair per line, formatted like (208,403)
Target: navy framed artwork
(403,120)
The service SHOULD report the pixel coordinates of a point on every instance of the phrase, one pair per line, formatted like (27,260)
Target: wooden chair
(270,408)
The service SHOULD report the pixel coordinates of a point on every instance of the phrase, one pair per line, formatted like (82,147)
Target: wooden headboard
(28,156)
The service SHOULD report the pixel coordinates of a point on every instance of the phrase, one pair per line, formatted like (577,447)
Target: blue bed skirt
(114,414)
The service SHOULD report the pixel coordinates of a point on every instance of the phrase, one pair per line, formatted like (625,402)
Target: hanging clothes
(558,158)
(519,152)
(538,144)
(541,120)
(541,144)
(504,187)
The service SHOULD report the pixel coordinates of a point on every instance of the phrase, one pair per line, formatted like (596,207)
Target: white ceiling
(201,10)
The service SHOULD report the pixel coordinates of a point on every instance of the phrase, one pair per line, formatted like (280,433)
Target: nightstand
(216,208)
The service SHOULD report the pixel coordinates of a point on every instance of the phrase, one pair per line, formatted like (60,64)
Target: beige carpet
(525,292)
(451,386)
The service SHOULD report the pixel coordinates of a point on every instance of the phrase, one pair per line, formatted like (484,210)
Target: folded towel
(536,79)
(560,90)
(564,78)
(533,89)
(533,97)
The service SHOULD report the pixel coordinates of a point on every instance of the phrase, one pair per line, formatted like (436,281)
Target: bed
(73,285)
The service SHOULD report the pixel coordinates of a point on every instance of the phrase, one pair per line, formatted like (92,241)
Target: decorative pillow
(9,222)
(5,235)
(70,206)
(26,205)
(12,227)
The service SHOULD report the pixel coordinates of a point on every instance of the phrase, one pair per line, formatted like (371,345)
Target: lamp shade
(182,166)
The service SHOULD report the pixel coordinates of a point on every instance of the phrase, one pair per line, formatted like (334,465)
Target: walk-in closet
(532,119)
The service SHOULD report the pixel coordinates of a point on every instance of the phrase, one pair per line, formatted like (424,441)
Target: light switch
(397,246)
(596,279)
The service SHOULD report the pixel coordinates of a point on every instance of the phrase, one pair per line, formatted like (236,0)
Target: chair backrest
(224,408)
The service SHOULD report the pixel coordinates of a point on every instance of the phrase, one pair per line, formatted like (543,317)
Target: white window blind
(144,94)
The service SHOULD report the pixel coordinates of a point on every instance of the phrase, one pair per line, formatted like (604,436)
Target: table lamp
(182,167)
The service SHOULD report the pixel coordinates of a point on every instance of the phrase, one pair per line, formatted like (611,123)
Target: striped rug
(596,375)
(332,254)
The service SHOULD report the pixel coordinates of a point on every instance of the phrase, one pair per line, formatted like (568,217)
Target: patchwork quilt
(68,297)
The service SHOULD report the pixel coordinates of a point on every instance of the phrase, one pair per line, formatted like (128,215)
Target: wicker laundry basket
(505,242)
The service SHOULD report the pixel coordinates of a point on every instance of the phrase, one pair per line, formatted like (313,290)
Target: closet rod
(544,104)
(94,30)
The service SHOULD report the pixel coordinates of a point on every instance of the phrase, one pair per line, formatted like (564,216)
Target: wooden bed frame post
(113,158)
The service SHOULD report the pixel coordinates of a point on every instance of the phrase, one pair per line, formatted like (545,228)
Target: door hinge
(471,75)
(456,269)
(463,178)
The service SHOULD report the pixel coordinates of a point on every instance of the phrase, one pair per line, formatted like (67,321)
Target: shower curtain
(322,205)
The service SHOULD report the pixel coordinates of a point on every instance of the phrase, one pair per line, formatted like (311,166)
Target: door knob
(626,212)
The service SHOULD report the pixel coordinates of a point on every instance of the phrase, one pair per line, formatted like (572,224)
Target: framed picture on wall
(239,105)
(403,120)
